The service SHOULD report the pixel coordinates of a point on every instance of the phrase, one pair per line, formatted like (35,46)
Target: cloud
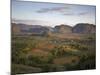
(75,13)
(65,10)
(83,13)
(68,14)
(54,9)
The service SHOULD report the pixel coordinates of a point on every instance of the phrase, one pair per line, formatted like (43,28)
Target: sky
(51,14)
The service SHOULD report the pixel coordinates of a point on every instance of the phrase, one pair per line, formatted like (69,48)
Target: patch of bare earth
(66,60)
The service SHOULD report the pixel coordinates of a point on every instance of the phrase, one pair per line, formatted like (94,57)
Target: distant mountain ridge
(28,29)
(63,29)
(83,28)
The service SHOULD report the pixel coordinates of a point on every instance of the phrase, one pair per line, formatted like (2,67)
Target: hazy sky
(51,14)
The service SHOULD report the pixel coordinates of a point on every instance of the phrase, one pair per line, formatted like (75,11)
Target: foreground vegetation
(35,54)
